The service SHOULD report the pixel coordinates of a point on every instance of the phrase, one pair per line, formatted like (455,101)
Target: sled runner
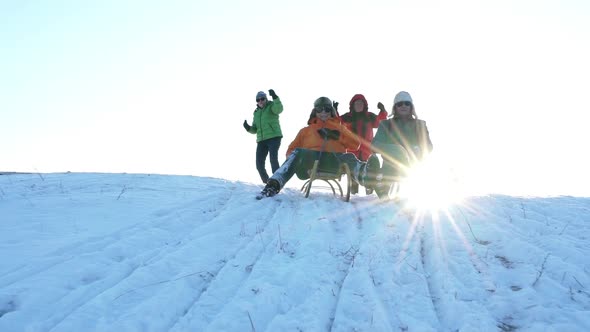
(331,171)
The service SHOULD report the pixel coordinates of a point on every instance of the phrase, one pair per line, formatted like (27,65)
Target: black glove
(334,134)
(247,126)
(335,104)
(326,133)
(272,93)
(380,106)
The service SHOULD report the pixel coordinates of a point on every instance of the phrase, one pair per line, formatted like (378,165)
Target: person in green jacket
(401,140)
(268,132)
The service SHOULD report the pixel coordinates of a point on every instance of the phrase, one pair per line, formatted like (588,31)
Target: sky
(154,87)
(135,252)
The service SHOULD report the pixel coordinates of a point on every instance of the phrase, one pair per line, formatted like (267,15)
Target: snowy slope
(120,252)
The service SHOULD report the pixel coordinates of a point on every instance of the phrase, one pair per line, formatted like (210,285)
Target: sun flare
(431,185)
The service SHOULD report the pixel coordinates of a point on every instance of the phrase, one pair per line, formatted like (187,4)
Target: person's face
(261,102)
(323,113)
(358,105)
(403,108)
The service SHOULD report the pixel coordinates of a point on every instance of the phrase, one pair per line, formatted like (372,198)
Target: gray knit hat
(260,94)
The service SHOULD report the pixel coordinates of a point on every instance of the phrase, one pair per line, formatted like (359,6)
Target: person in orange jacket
(324,134)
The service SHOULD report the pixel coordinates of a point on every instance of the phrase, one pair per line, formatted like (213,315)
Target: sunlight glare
(431,185)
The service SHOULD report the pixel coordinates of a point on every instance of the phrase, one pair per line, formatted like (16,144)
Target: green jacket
(409,134)
(266,121)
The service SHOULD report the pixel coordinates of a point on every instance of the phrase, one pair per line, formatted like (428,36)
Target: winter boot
(382,187)
(371,171)
(354,188)
(272,188)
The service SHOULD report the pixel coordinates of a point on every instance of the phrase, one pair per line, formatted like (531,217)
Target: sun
(432,185)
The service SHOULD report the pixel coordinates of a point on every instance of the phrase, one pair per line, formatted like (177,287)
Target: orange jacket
(309,138)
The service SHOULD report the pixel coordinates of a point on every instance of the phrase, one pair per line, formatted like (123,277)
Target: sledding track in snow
(138,252)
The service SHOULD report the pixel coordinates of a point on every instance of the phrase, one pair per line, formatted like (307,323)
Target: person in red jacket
(362,122)
(324,134)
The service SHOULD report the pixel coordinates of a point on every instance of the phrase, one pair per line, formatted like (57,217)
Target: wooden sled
(332,175)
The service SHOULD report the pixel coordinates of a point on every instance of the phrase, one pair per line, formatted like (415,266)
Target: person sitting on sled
(325,134)
(401,141)
(362,122)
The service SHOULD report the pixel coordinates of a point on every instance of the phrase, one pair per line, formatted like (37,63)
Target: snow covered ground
(122,252)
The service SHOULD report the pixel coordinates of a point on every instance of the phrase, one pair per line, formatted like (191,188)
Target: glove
(326,133)
(335,104)
(247,126)
(333,134)
(381,107)
(272,93)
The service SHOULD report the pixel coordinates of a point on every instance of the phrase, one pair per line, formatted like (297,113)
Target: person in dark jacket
(362,122)
(401,141)
(324,134)
(268,132)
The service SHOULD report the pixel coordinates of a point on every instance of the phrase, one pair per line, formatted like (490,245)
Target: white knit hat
(402,96)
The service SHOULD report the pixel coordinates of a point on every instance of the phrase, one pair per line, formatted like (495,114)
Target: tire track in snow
(426,267)
(385,303)
(293,294)
(137,262)
(350,256)
(206,275)
(211,314)
(218,274)
(457,279)
(525,230)
(368,221)
(96,245)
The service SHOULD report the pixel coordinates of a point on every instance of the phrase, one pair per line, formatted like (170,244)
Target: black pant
(263,148)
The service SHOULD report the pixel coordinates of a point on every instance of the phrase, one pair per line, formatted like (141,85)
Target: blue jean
(263,148)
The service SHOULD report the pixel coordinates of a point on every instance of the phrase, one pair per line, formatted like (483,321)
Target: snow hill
(122,252)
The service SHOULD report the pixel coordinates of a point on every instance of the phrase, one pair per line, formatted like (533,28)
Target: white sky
(156,87)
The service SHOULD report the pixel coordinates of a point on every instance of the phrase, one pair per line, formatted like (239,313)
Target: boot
(371,171)
(354,188)
(382,187)
(272,188)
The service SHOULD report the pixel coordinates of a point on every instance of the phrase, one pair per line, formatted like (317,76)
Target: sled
(331,171)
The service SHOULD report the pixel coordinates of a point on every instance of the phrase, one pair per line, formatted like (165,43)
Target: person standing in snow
(324,134)
(401,141)
(362,122)
(267,128)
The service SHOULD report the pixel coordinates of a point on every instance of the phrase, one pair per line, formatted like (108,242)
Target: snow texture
(132,252)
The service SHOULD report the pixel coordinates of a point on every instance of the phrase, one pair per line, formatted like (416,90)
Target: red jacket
(309,138)
(362,124)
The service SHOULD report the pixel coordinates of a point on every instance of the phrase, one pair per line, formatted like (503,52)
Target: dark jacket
(409,133)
